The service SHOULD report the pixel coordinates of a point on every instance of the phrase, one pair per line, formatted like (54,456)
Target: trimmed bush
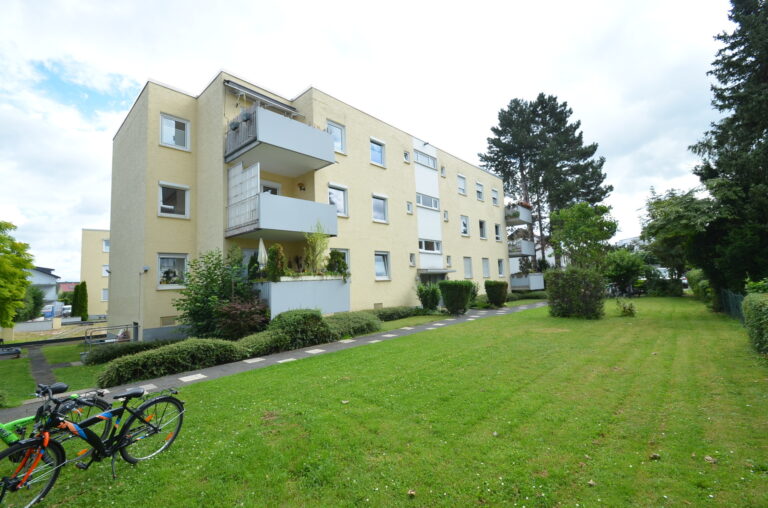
(513,297)
(239,318)
(182,356)
(429,296)
(755,308)
(665,287)
(480,302)
(536,295)
(351,324)
(456,295)
(304,327)
(392,313)
(575,292)
(496,291)
(104,354)
(265,343)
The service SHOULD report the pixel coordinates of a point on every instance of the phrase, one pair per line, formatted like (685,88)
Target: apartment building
(238,164)
(94,269)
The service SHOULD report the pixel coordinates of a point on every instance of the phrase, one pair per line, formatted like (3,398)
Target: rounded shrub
(265,343)
(429,296)
(456,295)
(351,324)
(304,327)
(496,291)
(107,353)
(575,292)
(393,313)
(241,317)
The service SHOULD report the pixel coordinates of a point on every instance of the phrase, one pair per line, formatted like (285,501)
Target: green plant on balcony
(277,263)
(314,251)
(337,265)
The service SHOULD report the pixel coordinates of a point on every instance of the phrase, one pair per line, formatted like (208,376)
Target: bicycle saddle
(133,392)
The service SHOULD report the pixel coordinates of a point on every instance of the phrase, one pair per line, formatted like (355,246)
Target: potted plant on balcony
(233,125)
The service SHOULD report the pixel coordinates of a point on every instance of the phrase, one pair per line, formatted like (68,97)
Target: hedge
(350,324)
(429,296)
(456,295)
(575,292)
(182,356)
(664,287)
(304,327)
(393,313)
(265,343)
(755,308)
(107,353)
(496,291)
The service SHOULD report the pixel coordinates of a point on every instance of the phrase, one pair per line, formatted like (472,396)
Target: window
(445,215)
(406,156)
(486,267)
(432,246)
(483,233)
(501,268)
(495,197)
(442,171)
(174,132)
(448,261)
(380,209)
(105,270)
(467,268)
(412,259)
(480,191)
(464,225)
(427,201)
(462,184)
(339,135)
(105,295)
(173,200)
(497,232)
(409,207)
(381,264)
(171,269)
(337,196)
(377,152)
(105,245)
(271,187)
(424,159)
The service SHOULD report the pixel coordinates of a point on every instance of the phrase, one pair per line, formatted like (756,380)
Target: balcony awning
(433,271)
(256,96)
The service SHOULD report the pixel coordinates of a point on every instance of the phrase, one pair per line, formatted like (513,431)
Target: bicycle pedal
(81,465)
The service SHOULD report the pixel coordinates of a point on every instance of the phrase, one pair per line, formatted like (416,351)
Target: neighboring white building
(44,279)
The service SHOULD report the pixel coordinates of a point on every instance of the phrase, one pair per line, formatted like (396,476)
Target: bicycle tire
(73,446)
(153,429)
(17,461)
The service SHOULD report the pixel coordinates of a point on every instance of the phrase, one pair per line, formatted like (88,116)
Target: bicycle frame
(15,431)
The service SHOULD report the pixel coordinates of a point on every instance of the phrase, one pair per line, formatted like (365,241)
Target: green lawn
(409,321)
(16,380)
(65,353)
(520,409)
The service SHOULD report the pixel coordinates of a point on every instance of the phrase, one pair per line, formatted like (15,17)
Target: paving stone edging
(227,369)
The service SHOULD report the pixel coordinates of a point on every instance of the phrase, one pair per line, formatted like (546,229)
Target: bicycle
(31,467)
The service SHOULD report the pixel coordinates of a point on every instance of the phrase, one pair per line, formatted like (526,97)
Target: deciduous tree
(581,232)
(15,260)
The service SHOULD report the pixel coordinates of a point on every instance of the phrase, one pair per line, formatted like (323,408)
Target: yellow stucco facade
(94,269)
(403,218)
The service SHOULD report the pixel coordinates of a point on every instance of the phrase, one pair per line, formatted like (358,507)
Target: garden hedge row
(393,313)
(304,327)
(755,308)
(350,324)
(107,353)
(185,355)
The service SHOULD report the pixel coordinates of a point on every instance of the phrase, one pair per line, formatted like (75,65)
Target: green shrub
(480,302)
(182,356)
(276,263)
(536,295)
(337,264)
(239,318)
(456,295)
(760,286)
(107,353)
(429,296)
(626,308)
(665,287)
(513,297)
(575,292)
(265,343)
(755,308)
(473,293)
(496,291)
(392,313)
(304,327)
(351,324)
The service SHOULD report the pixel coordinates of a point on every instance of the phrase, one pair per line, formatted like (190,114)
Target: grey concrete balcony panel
(532,281)
(517,215)
(328,294)
(521,248)
(279,217)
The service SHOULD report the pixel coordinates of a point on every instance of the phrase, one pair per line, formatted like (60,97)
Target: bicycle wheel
(28,471)
(82,409)
(153,429)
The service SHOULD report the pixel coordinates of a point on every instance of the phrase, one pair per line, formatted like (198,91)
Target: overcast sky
(634,73)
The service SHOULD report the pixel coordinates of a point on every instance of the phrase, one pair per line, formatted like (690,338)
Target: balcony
(520,248)
(517,215)
(281,145)
(278,218)
(328,294)
(532,281)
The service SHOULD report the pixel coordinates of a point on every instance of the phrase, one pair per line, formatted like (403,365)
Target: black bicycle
(29,468)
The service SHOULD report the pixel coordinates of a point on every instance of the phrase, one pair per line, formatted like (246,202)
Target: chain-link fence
(731,303)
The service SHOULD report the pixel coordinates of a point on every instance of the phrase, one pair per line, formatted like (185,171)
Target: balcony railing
(517,215)
(267,211)
(532,281)
(520,248)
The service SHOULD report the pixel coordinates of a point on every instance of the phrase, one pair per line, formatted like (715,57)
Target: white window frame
(345,192)
(497,232)
(409,207)
(486,268)
(406,156)
(495,197)
(159,277)
(501,267)
(105,270)
(464,221)
(442,171)
(187,132)
(177,186)
(448,261)
(343,148)
(346,256)
(275,185)
(105,295)
(105,245)
(467,264)
(445,215)
(424,159)
(436,244)
(459,180)
(374,197)
(482,226)
(412,259)
(388,273)
(480,191)
(383,145)
(426,201)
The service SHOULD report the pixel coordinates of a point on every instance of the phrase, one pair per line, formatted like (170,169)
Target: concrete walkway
(227,369)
